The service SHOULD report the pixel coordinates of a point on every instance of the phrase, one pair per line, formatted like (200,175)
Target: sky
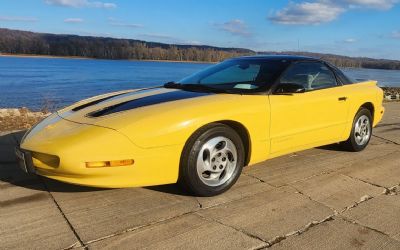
(369,28)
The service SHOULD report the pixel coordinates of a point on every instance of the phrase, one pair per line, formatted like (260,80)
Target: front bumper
(60,151)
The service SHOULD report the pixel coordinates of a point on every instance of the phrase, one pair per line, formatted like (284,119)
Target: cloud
(396,34)
(192,42)
(157,36)
(128,25)
(235,27)
(307,13)
(81,4)
(73,20)
(17,19)
(96,34)
(167,39)
(374,4)
(350,40)
(323,11)
(118,23)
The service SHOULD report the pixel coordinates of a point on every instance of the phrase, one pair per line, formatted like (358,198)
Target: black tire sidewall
(190,154)
(352,139)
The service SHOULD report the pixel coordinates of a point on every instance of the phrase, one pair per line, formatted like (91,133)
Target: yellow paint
(154,136)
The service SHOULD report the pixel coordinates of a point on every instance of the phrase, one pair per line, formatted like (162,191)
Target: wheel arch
(235,125)
(244,135)
(370,106)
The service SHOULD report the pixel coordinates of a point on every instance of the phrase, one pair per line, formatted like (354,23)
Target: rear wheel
(212,160)
(361,131)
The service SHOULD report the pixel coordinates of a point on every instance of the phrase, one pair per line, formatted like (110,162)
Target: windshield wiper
(198,87)
(206,88)
(172,85)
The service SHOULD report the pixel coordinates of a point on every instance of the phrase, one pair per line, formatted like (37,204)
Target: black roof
(279,57)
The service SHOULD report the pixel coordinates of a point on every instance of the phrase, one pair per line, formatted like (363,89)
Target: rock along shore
(19,118)
(391,93)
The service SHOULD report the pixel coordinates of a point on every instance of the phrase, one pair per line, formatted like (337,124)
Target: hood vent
(94,102)
(147,101)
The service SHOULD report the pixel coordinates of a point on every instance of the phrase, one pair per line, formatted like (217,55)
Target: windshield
(237,75)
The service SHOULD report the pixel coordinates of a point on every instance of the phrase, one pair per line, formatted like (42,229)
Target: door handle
(343,98)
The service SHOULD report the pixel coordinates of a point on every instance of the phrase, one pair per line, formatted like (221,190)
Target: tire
(361,131)
(212,160)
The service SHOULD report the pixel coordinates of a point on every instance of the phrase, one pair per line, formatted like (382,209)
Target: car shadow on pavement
(333,147)
(12,175)
(174,189)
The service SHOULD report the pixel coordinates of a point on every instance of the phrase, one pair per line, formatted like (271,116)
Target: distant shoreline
(135,60)
(91,58)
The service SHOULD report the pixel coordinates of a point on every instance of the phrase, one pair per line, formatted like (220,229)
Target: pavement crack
(362,199)
(237,229)
(395,190)
(307,227)
(132,229)
(254,177)
(386,190)
(278,238)
(383,138)
(199,203)
(75,245)
(81,244)
(348,220)
(310,198)
(315,175)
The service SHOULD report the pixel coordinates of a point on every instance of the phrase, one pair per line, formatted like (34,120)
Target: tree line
(25,42)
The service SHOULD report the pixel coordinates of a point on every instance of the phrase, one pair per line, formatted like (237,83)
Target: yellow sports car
(202,130)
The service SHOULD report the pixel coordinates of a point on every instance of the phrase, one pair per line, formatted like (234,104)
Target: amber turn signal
(117,163)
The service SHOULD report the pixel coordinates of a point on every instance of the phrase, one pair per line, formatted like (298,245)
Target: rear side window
(342,77)
(312,75)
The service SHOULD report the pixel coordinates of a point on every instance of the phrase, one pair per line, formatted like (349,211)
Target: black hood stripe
(147,101)
(112,97)
(94,102)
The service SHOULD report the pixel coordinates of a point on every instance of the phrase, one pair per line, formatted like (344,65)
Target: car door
(315,117)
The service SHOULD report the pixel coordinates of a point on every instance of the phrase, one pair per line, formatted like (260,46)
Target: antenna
(298,45)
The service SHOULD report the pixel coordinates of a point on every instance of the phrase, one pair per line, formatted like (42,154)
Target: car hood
(160,117)
(116,110)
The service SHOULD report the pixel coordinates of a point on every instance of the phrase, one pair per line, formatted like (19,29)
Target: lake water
(56,82)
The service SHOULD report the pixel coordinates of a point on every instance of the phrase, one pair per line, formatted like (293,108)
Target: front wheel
(212,160)
(361,131)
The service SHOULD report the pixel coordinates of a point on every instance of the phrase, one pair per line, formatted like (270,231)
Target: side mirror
(290,88)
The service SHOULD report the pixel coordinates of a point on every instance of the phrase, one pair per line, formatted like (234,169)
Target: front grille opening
(40,159)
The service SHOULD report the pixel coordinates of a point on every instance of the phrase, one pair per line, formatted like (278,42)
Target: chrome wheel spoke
(216,161)
(362,130)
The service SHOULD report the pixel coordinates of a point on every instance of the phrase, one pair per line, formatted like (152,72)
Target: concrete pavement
(321,198)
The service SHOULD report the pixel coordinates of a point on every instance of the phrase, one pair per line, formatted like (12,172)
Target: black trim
(94,102)
(147,101)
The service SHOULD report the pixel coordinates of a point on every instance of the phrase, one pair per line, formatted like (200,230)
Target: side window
(235,73)
(312,75)
(343,78)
